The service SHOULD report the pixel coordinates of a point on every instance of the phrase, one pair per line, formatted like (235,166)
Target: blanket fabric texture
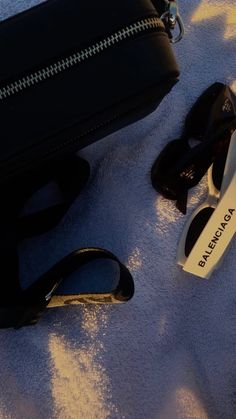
(169,353)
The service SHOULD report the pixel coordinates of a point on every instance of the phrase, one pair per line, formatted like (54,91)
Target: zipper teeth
(78,57)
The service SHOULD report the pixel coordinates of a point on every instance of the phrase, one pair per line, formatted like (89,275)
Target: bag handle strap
(24,307)
(14,196)
(28,305)
(71,175)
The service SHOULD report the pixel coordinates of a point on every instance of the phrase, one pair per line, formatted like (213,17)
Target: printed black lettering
(223,225)
(201,263)
(216,237)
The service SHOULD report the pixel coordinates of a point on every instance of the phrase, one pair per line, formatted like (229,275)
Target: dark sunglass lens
(197,118)
(164,169)
(196,227)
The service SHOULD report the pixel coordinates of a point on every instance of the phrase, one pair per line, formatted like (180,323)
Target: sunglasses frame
(213,199)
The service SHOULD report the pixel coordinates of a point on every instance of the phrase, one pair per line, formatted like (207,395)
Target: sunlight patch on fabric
(80,385)
(188,405)
(94,319)
(165,211)
(233,86)
(208,10)
(134,260)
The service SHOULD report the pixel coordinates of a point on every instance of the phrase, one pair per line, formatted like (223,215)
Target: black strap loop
(70,175)
(28,306)
(35,299)
(24,307)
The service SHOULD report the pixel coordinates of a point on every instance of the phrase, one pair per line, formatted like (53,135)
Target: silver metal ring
(179,21)
(181,30)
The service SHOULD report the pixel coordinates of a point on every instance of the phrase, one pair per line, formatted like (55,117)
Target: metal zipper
(76,58)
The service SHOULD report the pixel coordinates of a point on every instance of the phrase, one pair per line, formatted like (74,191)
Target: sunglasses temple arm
(230,165)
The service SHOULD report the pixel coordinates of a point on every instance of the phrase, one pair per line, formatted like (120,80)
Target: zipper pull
(170,18)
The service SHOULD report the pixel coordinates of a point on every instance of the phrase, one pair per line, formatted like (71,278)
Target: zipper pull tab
(170,18)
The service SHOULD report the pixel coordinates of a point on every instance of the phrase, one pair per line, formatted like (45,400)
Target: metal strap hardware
(170,18)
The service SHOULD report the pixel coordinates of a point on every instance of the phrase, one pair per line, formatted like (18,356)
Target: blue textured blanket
(171,351)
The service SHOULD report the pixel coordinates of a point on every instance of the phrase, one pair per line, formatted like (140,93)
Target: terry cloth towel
(171,351)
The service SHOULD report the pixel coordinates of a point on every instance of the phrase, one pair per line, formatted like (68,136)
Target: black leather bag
(72,71)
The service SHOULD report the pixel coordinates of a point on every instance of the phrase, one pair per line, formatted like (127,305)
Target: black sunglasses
(180,166)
